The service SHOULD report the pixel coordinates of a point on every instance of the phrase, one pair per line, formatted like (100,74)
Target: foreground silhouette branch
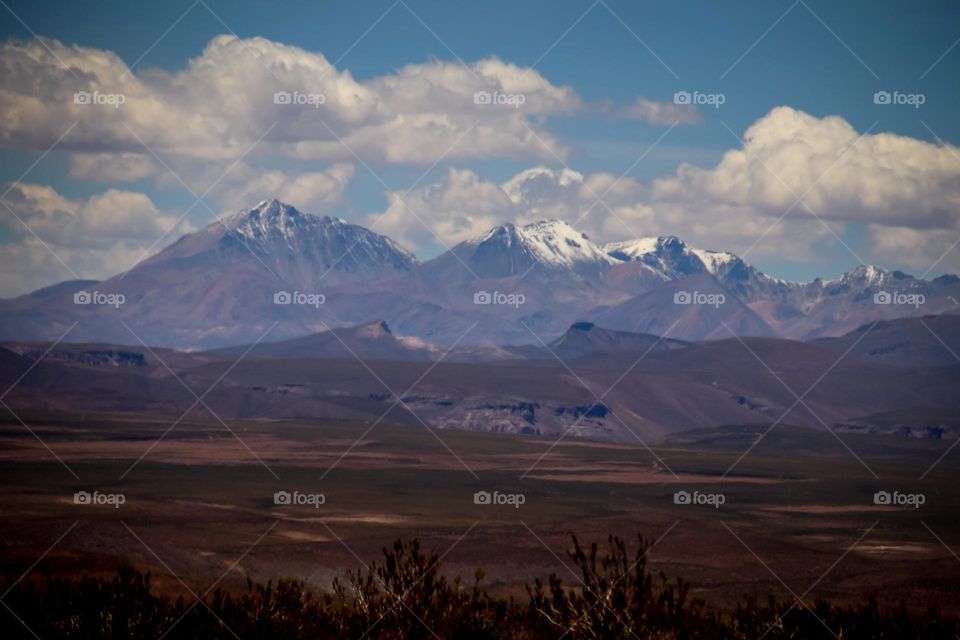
(615,596)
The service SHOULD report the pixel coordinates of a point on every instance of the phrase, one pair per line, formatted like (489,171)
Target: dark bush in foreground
(405,596)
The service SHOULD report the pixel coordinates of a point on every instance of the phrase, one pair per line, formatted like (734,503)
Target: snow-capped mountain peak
(670,253)
(552,243)
(556,242)
(270,217)
(294,245)
(671,259)
(866,274)
(715,261)
(667,255)
(632,249)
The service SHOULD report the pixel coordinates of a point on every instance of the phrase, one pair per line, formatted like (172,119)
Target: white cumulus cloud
(237,89)
(95,238)
(904,192)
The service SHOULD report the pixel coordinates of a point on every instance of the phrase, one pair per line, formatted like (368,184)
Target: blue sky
(819,58)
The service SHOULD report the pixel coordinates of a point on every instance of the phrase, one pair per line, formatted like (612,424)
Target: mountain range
(273,273)
(595,382)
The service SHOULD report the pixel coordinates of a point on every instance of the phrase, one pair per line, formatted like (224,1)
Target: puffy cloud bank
(904,191)
(238,90)
(251,118)
(58,238)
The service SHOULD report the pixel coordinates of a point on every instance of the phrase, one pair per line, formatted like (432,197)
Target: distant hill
(650,387)
(373,341)
(693,308)
(930,341)
(586,339)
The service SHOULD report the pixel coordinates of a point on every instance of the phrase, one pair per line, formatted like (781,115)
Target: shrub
(615,596)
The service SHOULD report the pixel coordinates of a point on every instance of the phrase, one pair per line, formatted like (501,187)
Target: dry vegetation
(405,596)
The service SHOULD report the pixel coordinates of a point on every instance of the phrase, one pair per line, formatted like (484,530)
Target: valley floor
(797,512)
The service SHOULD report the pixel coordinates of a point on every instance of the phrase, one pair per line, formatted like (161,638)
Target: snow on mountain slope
(670,256)
(279,236)
(866,275)
(715,261)
(275,229)
(636,249)
(546,248)
(217,287)
(549,242)
(673,258)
